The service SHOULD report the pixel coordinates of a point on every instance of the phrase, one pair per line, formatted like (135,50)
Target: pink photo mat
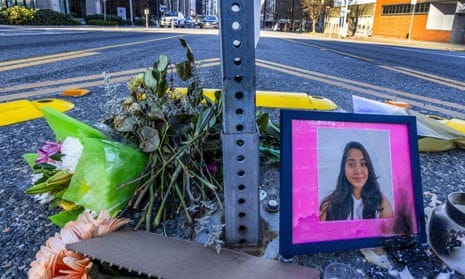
(306,226)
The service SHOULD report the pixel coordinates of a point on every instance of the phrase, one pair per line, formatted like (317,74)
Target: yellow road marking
(418,74)
(366,88)
(34,62)
(26,62)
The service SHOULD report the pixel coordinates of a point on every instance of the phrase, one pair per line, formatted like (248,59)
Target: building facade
(441,21)
(82,8)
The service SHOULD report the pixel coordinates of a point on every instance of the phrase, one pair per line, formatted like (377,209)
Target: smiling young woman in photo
(357,194)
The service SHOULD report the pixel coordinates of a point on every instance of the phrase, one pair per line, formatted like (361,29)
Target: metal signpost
(239,136)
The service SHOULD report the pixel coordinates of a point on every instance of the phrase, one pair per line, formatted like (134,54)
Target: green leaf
(150,139)
(189,52)
(60,219)
(124,124)
(150,81)
(162,63)
(39,188)
(269,155)
(30,158)
(262,122)
(204,119)
(184,70)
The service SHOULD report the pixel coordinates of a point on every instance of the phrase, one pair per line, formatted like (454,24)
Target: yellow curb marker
(24,110)
(74,92)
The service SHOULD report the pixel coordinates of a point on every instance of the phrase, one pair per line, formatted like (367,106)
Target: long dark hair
(339,203)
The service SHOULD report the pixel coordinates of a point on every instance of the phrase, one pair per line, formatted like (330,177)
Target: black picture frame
(308,141)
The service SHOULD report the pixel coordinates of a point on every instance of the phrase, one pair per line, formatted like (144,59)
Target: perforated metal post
(240,136)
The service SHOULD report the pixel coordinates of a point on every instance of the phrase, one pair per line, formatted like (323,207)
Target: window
(402,9)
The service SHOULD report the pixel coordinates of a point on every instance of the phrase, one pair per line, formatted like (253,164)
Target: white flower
(43,198)
(72,150)
(36,176)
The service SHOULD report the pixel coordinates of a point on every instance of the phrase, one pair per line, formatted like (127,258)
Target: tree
(314,10)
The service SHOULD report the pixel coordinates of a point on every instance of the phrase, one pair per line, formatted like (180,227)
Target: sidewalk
(372,40)
(411,43)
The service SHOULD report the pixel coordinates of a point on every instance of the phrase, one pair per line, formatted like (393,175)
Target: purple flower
(49,149)
(212,168)
(43,157)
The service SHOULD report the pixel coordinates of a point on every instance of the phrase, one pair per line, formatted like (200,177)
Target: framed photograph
(348,181)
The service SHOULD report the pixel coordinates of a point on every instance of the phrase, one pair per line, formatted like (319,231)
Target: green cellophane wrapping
(104,166)
(65,126)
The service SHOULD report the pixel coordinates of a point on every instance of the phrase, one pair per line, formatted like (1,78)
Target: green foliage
(101,22)
(49,17)
(180,133)
(18,15)
(99,19)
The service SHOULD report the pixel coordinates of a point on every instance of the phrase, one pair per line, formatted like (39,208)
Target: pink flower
(49,149)
(43,157)
(212,168)
(55,261)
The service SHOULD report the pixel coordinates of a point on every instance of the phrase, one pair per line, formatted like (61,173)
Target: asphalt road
(42,62)
(432,80)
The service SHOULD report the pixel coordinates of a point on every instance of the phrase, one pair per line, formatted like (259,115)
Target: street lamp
(344,19)
(412,5)
(131,12)
(104,10)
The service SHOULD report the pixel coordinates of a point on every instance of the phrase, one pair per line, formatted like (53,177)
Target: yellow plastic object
(276,99)
(24,110)
(456,124)
(399,104)
(75,92)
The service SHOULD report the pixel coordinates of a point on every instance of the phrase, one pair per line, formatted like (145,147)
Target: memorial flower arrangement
(166,162)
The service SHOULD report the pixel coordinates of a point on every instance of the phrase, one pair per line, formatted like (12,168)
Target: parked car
(172,18)
(209,21)
(189,22)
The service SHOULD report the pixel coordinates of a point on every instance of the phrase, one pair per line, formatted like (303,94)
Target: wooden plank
(166,257)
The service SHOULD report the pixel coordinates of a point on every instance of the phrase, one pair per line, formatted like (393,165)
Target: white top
(358,210)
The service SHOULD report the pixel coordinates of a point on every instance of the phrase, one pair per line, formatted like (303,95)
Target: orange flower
(54,261)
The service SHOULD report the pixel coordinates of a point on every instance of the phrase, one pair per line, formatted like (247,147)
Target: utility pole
(131,13)
(344,19)
(264,13)
(412,4)
(292,16)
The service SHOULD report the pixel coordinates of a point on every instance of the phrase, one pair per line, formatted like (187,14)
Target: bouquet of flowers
(82,169)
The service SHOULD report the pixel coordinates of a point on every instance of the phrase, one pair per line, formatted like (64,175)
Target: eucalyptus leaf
(184,70)
(162,63)
(150,81)
(124,124)
(189,53)
(150,139)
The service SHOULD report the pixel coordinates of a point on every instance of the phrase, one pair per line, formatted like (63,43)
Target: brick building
(441,21)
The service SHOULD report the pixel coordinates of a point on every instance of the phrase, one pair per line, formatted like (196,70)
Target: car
(209,21)
(189,22)
(172,19)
